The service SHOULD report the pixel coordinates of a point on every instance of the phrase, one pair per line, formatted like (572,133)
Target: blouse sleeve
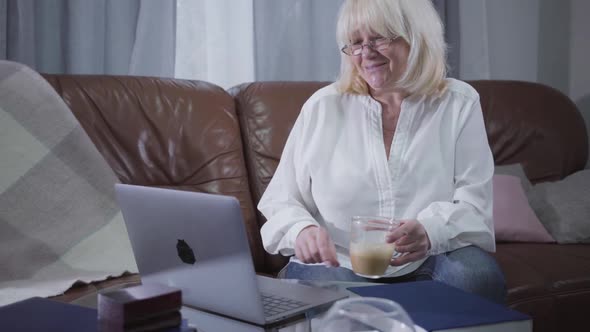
(287,202)
(467,220)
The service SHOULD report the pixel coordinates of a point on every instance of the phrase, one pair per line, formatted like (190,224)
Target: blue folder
(438,307)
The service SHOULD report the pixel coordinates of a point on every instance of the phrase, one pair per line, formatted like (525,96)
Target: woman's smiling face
(380,69)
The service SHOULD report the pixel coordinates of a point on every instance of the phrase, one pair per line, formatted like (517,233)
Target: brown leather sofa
(196,136)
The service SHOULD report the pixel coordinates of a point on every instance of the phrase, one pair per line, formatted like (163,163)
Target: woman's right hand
(313,245)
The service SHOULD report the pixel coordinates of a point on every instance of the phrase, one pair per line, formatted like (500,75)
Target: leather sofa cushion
(547,281)
(165,132)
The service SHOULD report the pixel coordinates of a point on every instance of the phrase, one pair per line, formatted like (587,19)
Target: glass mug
(370,254)
(372,314)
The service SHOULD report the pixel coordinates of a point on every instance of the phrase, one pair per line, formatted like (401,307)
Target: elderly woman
(393,137)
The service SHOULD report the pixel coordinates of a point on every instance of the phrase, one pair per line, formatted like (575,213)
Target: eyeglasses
(379,44)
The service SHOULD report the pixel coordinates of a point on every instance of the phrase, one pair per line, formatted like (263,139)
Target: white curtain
(296,40)
(449,14)
(524,40)
(90,36)
(511,31)
(473,51)
(228,42)
(215,41)
(542,41)
(579,55)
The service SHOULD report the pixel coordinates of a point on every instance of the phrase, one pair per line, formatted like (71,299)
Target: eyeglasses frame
(370,44)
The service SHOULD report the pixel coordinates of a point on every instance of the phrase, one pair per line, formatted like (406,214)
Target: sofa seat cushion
(553,267)
(547,281)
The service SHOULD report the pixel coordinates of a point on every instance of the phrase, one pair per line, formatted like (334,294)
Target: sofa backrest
(535,125)
(195,136)
(166,133)
(526,123)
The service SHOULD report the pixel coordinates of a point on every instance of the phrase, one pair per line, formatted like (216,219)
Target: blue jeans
(469,268)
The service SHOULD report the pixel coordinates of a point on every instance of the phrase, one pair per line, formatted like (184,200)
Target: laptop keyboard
(274,304)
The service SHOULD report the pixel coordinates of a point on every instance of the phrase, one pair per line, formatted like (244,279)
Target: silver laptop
(197,242)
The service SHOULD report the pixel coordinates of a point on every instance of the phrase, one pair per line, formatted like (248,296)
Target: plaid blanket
(59,222)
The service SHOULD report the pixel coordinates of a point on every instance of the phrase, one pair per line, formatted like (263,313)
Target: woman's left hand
(411,240)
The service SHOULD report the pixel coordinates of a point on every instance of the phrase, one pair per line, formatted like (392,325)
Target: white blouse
(334,166)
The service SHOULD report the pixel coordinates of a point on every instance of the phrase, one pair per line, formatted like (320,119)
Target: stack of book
(38,314)
(140,308)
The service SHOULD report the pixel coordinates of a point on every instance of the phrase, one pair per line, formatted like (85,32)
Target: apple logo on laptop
(185,252)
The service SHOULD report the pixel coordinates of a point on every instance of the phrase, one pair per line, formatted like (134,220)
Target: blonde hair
(416,22)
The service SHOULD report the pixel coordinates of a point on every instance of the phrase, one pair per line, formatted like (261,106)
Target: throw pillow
(564,207)
(515,170)
(514,220)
